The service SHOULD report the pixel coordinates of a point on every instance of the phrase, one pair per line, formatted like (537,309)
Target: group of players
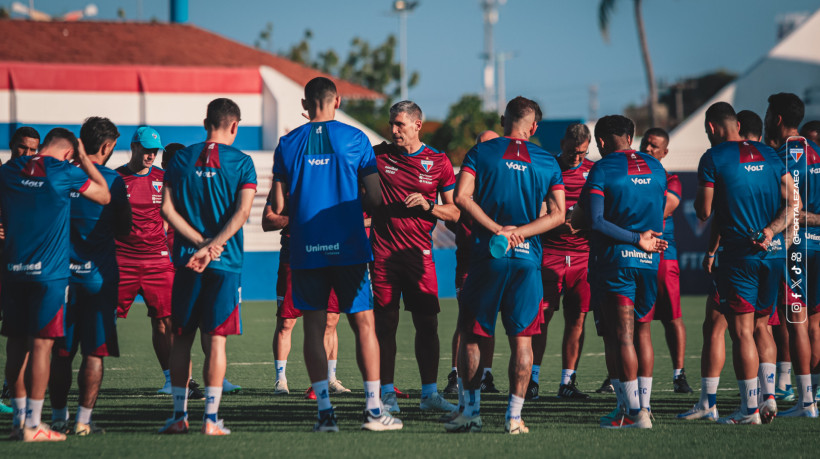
(82,240)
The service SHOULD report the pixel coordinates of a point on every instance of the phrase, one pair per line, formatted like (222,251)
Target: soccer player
(623,201)
(564,270)
(24,142)
(412,175)
(784,114)
(91,311)
(747,187)
(34,199)
(504,185)
(207,197)
(655,142)
(317,170)
(811,131)
(751,126)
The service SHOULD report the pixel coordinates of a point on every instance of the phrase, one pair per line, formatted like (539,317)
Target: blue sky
(559,49)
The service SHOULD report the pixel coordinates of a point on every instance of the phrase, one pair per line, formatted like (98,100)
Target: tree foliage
(465,121)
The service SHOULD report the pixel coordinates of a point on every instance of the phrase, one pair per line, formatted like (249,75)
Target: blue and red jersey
(633,186)
(746,179)
(564,243)
(513,178)
(673,187)
(321,164)
(805,166)
(35,199)
(206,179)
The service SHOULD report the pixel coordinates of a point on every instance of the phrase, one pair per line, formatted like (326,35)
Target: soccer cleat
(452,383)
(41,433)
(83,430)
(175,426)
(166,389)
(400,394)
(194,392)
(610,419)
(336,387)
(280,387)
(680,385)
(310,394)
(571,391)
(5,409)
(214,428)
(326,422)
(487,385)
(436,402)
(384,421)
(768,410)
(391,405)
(709,414)
(463,424)
(784,395)
(642,420)
(799,411)
(61,426)
(739,417)
(447,417)
(6,391)
(515,427)
(532,391)
(606,387)
(228,388)
(16,433)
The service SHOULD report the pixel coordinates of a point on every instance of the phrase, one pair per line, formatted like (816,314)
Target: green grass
(266,426)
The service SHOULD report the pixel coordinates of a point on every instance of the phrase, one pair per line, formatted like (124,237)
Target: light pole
(403,8)
(501,59)
(490,8)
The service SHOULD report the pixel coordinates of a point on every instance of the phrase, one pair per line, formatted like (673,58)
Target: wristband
(432,204)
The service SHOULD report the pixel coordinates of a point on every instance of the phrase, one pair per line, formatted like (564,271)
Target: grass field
(266,426)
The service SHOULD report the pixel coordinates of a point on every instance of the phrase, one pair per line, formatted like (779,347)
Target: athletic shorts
(638,287)
(210,300)
(413,279)
(461,276)
(312,288)
(507,285)
(91,320)
(153,282)
(34,308)
(284,296)
(565,275)
(667,306)
(803,282)
(749,285)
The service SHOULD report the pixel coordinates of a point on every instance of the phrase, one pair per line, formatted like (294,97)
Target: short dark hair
(21,132)
(789,107)
(221,113)
(318,91)
(57,134)
(577,133)
(406,106)
(96,131)
(811,126)
(169,151)
(750,124)
(720,112)
(657,132)
(614,126)
(518,108)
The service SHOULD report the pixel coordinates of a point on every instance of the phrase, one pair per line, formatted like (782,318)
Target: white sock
(676,373)
(806,390)
(619,392)
(372,401)
(320,388)
(472,399)
(59,414)
(460,394)
(387,388)
(19,413)
(83,415)
(180,395)
(566,376)
(331,370)
(213,395)
(645,390)
(784,375)
(34,409)
(536,372)
(167,374)
(633,402)
(708,392)
(765,373)
(280,369)
(428,390)
(514,407)
(748,394)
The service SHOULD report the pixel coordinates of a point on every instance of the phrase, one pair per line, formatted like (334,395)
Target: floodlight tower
(490,8)
(403,8)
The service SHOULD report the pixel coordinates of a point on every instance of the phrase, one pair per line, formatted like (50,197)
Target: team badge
(796,153)
(426,164)
(585,174)
(157,186)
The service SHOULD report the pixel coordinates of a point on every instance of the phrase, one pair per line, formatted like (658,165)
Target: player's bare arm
(809,219)
(271,221)
(235,223)
(703,202)
(465,186)
(778,225)
(180,225)
(672,203)
(372,198)
(555,217)
(711,250)
(446,211)
(97,190)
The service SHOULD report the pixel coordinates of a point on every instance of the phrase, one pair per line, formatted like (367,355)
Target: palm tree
(605,9)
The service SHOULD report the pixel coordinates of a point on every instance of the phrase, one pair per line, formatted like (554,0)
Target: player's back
(34,194)
(321,163)
(746,178)
(205,180)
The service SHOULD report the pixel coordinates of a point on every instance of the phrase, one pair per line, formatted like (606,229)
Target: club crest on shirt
(796,153)
(426,164)
(157,186)
(585,174)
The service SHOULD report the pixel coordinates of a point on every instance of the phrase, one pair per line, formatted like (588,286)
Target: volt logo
(318,162)
(206,174)
(641,181)
(751,168)
(516,166)
(32,183)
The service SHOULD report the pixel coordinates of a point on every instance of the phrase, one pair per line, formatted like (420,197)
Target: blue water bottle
(498,246)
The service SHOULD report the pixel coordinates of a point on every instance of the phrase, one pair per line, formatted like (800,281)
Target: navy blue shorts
(749,285)
(34,308)
(635,286)
(91,320)
(311,288)
(210,300)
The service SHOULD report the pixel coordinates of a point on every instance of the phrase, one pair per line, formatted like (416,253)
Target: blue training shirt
(512,179)
(746,177)
(633,185)
(35,196)
(205,180)
(321,164)
(93,250)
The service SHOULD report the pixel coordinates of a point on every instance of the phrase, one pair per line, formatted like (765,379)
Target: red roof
(154,44)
